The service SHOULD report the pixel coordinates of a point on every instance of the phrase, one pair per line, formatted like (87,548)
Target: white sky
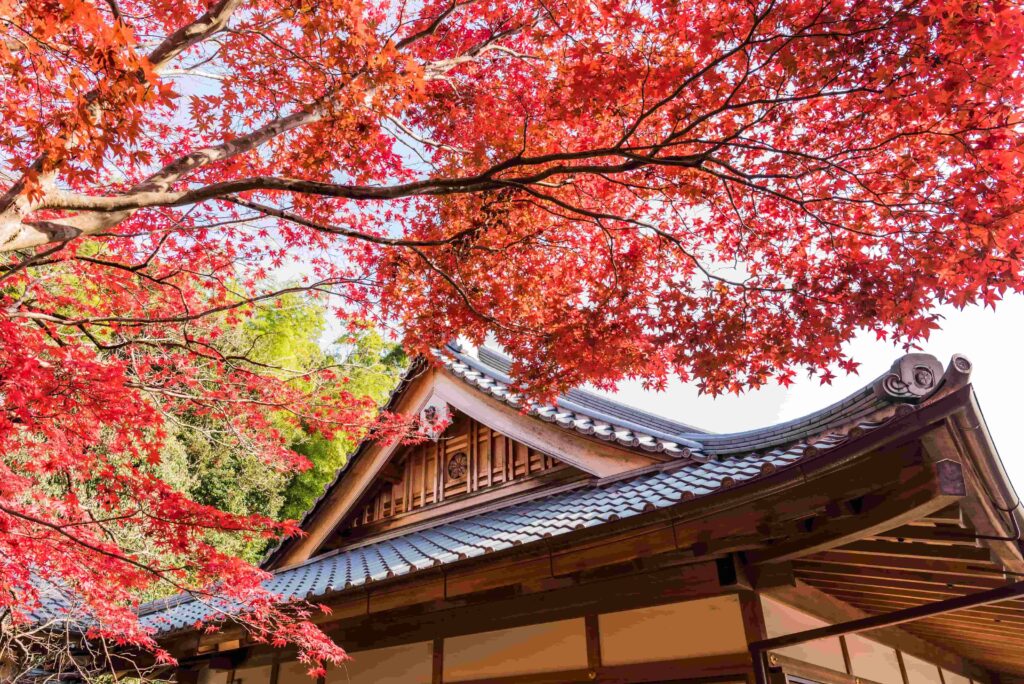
(992,340)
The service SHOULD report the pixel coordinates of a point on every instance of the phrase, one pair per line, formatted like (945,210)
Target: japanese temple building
(588,541)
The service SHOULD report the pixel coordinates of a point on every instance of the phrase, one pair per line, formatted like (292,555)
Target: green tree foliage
(204,458)
(372,366)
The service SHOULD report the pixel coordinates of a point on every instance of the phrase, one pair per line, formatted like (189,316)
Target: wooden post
(753,620)
(471,458)
(592,627)
(423,481)
(490,456)
(437,661)
(439,474)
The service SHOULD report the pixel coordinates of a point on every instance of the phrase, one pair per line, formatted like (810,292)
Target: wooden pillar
(753,620)
(437,662)
(591,625)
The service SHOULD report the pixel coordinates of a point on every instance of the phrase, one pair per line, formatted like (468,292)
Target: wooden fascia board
(989,488)
(592,456)
(358,476)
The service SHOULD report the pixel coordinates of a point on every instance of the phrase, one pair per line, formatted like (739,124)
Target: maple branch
(95,548)
(13,203)
(481,182)
(432,27)
(207,25)
(319,286)
(464,296)
(345,232)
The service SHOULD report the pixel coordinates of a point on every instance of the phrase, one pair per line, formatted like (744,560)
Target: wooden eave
(938,557)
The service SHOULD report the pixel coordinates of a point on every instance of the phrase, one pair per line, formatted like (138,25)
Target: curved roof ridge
(585,398)
(911,378)
(628,426)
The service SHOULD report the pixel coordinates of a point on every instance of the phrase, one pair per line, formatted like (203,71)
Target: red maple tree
(723,190)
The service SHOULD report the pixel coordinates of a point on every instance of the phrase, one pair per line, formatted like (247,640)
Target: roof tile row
(550,515)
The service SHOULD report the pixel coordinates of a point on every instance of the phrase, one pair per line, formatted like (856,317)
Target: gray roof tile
(524,522)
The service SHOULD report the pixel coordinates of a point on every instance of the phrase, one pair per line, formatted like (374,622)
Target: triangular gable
(467,466)
(496,440)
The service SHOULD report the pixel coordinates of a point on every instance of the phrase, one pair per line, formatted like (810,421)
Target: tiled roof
(713,463)
(487,369)
(552,515)
(54,603)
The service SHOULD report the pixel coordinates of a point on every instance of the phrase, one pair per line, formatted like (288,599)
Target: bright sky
(993,341)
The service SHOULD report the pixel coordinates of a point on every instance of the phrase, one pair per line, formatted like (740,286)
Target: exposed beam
(933,552)
(813,569)
(771,575)
(873,577)
(986,618)
(897,587)
(830,609)
(933,534)
(950,515)
(933,488)
(939,568)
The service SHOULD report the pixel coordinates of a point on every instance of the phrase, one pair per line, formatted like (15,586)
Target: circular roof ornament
(458,466)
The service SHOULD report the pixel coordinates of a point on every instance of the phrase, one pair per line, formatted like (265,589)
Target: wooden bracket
(769,576)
